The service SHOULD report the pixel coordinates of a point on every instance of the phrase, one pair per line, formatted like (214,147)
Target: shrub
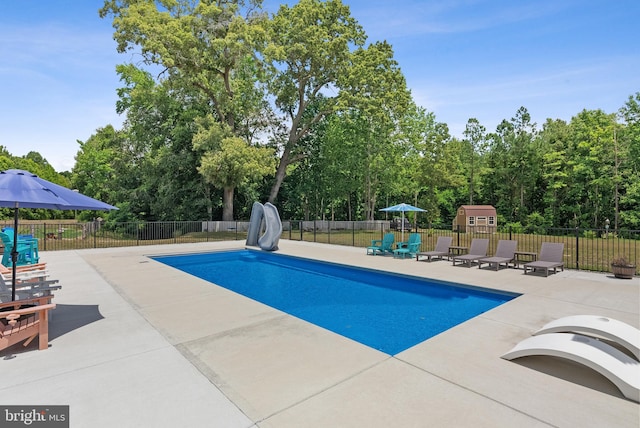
(536,224)
(514,227)
(621,261)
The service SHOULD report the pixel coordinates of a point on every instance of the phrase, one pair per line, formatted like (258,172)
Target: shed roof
(475,210)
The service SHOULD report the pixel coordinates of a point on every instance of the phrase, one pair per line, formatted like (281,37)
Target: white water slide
(264,217)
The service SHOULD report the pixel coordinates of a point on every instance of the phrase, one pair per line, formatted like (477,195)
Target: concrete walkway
(135,343)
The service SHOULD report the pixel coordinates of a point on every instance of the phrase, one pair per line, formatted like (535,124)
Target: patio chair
(23,320)
(384,245)
(477,251)
(28,289)
(27,250)
(37,271)
(505,253)
(550,258)
(411,247)
(442,249)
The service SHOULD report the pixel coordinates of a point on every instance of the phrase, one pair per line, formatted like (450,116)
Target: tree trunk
(209,202)
(281,172)
(227,204)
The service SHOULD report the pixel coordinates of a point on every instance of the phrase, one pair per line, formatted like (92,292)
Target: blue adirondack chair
(411,247)
(27,250)
(384,245)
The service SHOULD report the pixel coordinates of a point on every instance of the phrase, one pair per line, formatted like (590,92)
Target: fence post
(577,248)
(510,238)
(353,233)
(315,229)
(458,230)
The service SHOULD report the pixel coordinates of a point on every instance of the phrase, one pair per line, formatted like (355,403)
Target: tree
(422,162)
(151,162)
(592,166)
(513,182)
(208,46)
(231,164)
(93,172)
(373,92)
(475,138)
(309,47)
(554,140)
(627,164)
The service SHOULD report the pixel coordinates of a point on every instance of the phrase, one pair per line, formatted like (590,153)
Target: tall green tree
(554,141)
(475,137)
(309,48)
(513,182)
(93,173)
(422,161)
(230,162)
(592,163)
(209,46)
(627,165)
(375,97)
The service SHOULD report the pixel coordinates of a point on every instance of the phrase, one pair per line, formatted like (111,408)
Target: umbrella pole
(14,253)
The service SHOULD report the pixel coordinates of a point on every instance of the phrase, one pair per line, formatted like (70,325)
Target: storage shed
(476,218)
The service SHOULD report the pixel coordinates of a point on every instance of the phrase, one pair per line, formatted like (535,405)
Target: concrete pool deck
(135,343)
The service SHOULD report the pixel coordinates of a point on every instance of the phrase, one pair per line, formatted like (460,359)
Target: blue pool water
(384,311)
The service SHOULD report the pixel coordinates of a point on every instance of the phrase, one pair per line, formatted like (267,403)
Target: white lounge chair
(616,331)
(622,370)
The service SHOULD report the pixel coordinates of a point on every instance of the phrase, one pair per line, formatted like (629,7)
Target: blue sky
(462,59)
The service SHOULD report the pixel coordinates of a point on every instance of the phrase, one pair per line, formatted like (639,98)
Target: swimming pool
(385,311)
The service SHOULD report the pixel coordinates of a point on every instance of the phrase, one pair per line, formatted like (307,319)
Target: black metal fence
(585,249)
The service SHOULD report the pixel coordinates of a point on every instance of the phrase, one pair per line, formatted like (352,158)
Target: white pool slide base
(617,366)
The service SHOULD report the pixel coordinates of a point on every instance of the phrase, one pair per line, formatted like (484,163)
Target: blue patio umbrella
(22,189)
(402,208)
